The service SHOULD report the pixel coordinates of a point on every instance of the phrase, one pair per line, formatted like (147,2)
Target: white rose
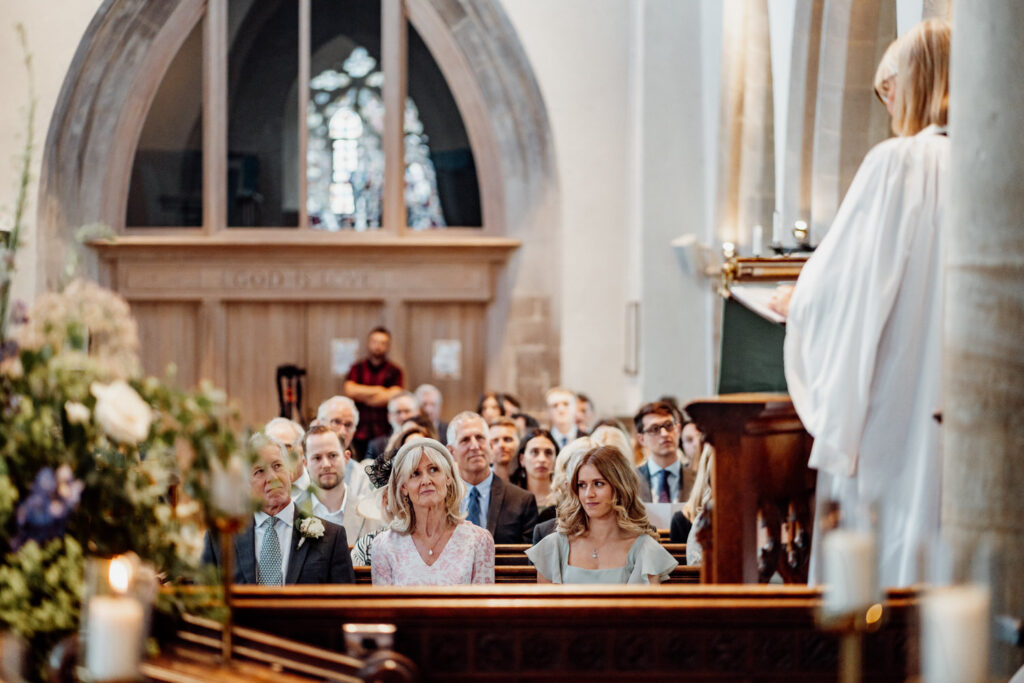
(229,487)
(121,412)
(78,414)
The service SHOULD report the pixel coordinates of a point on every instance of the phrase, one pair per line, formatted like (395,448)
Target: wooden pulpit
(761,452)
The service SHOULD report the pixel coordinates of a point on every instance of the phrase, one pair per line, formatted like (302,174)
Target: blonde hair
(700,494)
(607,435)
(403,516)
(921,86)
(886,72)
(565,464)
(630,513)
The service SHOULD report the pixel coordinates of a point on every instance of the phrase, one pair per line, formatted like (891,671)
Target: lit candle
(850,577)
(114,628)
(757,241)
(954,634)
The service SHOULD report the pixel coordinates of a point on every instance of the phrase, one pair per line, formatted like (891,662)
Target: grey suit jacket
(512,513)
(317,560)
(647,484)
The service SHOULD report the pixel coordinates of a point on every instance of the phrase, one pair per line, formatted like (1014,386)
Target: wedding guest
(504,509)
(536,459)
(603,528)
(525,423)
(290,433)
(490,406)
(339,413)
(280,546)
(511,404)
(562,415)
(565,465)
(664,477)
(429,542)
(586,415)
(374,506)
(504,436)
(431,400)
(330,498)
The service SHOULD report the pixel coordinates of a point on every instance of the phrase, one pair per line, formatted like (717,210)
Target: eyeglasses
(655,430)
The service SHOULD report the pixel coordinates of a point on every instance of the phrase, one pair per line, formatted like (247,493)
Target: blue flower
(44,513)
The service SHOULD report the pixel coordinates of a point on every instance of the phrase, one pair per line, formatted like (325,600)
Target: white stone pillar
(983,364)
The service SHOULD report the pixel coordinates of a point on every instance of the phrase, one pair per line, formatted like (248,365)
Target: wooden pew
(515,553)
(511,632)
(528,574)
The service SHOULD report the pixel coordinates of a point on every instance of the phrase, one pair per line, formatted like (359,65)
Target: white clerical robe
(863,348)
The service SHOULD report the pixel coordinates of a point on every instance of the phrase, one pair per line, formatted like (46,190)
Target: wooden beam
(394,59)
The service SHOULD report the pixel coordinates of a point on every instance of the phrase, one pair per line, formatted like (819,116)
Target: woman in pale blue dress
(602,534)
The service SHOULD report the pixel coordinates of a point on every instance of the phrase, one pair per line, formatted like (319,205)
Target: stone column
(983,363)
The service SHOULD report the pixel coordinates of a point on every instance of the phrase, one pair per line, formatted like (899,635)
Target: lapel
(494,506)
(245,553)
(644,475)
(297,557)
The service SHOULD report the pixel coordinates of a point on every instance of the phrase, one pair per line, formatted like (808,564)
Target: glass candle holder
(116,606)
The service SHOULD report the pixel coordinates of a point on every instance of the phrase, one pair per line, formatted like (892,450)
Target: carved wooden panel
(169,333)
(261,336)
(428,323)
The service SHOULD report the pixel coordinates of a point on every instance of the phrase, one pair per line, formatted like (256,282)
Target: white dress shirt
(564,440)
(301,485)
(286,519)
(321,511)
(484,488)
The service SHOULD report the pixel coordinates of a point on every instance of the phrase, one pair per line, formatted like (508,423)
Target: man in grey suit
(510,512)
(664,477)
(279,546)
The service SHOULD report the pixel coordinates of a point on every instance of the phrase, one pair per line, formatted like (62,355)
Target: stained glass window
(345,165)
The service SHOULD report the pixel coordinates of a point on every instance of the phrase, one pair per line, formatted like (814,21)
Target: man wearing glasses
(663,478)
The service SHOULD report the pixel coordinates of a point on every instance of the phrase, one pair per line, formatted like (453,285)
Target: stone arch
(129,44)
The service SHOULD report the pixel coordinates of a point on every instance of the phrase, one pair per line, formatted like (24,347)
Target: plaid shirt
(373,420)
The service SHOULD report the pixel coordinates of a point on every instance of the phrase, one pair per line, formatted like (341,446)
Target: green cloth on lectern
(751,357)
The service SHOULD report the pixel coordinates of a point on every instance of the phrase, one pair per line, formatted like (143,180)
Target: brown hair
(631,515)
(921,87)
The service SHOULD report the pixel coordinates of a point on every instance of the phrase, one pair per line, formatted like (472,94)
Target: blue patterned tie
(663,496)
(270,556)
(474,506)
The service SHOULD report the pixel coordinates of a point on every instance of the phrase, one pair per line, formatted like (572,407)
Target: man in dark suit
(430,401)
(279,547)
(664,477)
(507,511)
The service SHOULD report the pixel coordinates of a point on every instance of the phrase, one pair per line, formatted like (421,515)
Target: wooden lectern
(761,452)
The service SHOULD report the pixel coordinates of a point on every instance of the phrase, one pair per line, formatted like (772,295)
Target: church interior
(597,198)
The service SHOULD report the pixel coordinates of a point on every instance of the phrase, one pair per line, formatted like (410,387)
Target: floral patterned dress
(467,557)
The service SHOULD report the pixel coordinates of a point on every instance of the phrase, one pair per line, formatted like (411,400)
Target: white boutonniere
(310,527)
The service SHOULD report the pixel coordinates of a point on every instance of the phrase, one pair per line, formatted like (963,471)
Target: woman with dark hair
(603,535)
(536,468)
(491,406)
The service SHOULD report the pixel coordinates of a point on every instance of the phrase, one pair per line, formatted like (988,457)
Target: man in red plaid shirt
(371,383)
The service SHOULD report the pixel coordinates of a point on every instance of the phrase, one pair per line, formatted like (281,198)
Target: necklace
(594,554)
(432,546)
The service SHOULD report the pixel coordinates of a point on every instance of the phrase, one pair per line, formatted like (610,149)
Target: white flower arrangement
(121,412)
(310,527)
(78,414)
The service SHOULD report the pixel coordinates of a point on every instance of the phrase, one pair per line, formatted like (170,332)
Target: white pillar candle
(757,241)
(776,227)
(954,634)
(850,576)
(113,638)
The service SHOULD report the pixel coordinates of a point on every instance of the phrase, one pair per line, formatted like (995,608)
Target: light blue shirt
(484,488)
(653,471)
(286,518)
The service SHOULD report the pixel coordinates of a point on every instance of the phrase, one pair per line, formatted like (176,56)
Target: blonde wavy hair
(700,494)
(399,507)
(630,513)
(921,87)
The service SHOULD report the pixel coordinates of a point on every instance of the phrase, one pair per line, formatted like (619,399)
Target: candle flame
(120,574)
(874,614)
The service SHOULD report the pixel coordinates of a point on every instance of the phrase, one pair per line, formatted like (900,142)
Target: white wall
(53,29)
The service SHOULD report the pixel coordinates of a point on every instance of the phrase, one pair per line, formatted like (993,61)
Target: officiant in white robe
(864,331)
